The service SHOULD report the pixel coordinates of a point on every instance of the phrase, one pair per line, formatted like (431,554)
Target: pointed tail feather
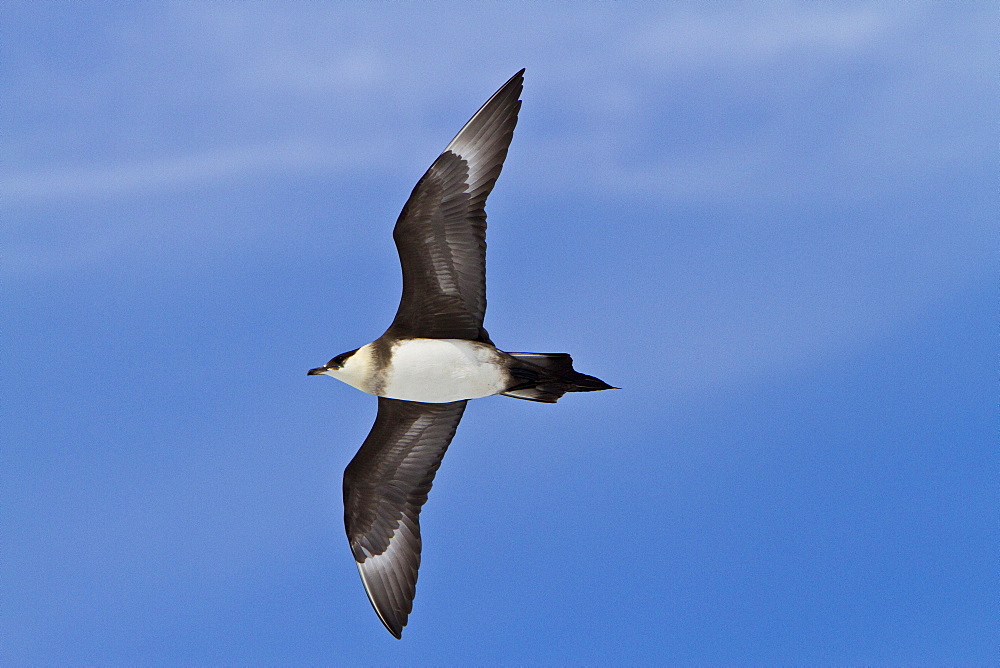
(545,377)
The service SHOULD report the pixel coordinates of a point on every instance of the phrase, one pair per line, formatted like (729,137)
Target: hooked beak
(318,371)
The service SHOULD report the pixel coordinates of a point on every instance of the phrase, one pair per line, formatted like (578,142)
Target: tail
(547,376)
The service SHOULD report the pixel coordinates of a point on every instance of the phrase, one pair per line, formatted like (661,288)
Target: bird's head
(332,367)
(357,368)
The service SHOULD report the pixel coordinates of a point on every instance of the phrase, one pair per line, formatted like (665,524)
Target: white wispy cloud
(329,87)
(160,173)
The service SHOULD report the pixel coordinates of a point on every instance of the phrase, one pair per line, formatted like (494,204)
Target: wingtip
(392,626)
(517,78)
(395,631)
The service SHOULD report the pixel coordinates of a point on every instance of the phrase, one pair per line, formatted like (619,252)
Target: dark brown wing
(441,232)
(384,487)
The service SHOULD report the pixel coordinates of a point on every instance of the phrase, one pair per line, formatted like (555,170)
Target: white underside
(442,370)
(430,370)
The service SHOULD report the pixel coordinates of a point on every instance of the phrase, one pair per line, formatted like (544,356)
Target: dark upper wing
(384,487)
(441,232)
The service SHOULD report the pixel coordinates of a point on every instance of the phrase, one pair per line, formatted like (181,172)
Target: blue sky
(773,225)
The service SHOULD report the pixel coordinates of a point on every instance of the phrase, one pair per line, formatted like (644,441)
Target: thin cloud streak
(743,36)
(605,133)
(174,172)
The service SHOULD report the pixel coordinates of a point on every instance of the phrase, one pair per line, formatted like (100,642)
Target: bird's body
(435,356)
(429,370)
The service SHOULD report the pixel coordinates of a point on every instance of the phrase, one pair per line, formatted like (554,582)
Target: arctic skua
(434,357)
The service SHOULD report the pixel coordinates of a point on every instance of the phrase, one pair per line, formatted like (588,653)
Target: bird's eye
(339,360)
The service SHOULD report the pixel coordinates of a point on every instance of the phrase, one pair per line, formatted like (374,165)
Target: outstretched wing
(441,232)
(384,487)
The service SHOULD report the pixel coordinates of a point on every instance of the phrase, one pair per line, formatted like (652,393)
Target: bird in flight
(434,357)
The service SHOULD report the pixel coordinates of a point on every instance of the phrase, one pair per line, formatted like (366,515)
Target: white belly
(442,370)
